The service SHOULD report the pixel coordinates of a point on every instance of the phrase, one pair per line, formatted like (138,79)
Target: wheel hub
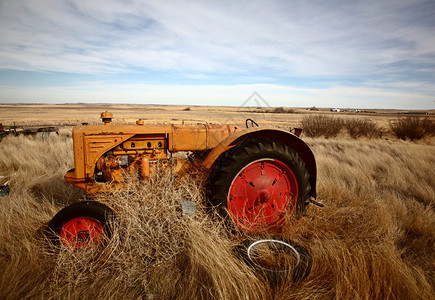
(261,194)
(263,197)
(82,232)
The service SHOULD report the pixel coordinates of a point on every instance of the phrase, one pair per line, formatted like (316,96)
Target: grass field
(374,239)
(74,114)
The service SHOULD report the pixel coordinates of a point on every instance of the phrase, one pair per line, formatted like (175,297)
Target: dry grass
(322,126)
(413,128)
(26,115)
(155,251)
(357,128)
(374,239)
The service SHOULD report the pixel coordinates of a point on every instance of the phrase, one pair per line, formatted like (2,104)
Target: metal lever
(313,200)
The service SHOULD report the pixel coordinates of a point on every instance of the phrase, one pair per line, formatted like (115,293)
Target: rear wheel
(80,225)
(258,184)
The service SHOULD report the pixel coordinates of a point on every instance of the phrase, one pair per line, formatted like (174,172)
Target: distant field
(74,114)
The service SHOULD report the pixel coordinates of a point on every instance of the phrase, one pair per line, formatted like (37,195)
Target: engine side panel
(100,148)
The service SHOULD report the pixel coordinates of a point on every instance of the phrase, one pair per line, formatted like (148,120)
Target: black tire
(95,211)
(295,270)
(230,164)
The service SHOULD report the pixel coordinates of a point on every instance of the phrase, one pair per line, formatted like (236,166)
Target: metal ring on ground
(252,246)
(295,271)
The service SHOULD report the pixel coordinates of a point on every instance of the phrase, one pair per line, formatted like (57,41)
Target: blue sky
(360,54)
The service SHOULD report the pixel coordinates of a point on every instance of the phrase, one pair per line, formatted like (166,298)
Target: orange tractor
(256,176)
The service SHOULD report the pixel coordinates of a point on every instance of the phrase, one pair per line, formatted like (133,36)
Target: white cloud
(373,43)
(302,39)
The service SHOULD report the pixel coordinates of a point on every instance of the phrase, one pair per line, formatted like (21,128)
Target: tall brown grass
(413,128)
(321,125)
(373,239)
(357,128)
(318,125)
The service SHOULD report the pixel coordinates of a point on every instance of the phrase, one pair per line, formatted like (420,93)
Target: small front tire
(80,225)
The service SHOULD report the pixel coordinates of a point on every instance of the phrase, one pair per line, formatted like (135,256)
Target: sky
(323,53)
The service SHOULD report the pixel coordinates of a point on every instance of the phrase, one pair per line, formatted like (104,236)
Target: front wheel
(80,225)
(259,184)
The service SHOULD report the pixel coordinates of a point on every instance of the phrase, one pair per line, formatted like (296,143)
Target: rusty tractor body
(257,176)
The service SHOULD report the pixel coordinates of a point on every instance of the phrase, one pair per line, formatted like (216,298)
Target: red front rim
(82,232)
(262,194)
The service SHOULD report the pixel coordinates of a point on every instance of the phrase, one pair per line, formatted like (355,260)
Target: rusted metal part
(4,186)
(106,117)
(188,208)
(145,167)
(42,132)
(4,189)
(47,132)
(313,200)
(297,131)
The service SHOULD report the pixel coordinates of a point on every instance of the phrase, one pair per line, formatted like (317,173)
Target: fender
(272,134)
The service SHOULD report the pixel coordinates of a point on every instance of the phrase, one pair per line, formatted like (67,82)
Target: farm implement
(257,176)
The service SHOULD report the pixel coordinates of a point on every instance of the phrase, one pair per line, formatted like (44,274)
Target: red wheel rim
(82,232)
(262,194)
